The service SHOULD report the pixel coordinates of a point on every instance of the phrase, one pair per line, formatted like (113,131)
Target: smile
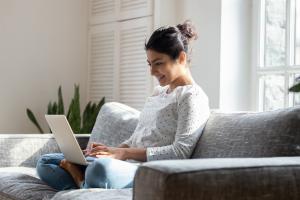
(161,77)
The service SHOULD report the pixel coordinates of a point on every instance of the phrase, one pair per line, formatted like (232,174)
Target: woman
(169,127)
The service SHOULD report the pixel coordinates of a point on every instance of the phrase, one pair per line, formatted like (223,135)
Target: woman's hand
(87,151)
(112,152)
(123,152)
(101,151)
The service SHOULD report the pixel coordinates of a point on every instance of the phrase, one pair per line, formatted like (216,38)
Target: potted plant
(78,124)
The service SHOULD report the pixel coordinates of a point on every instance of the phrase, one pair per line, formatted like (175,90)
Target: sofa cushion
(114,124)
(94,193)
(25,149)
(259,134)
(19,186)
(24,170)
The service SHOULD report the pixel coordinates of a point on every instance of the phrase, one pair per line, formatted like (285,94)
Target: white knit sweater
(170,124)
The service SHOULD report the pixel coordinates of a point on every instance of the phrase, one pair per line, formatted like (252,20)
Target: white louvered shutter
(134,77)
(134,8)
(117,61)
(102,11)
(101,62)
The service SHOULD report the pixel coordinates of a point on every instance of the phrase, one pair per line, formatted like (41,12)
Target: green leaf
(61,109)
(91,116)
(49,110)
(54,108)
(33,120)
(100,104)
(295,88)
(86,112)
(86,118)
(74,117)
(69,111)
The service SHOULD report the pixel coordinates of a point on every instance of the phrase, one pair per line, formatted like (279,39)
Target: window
(278,62)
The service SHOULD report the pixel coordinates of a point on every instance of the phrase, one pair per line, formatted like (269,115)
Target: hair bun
(188,30)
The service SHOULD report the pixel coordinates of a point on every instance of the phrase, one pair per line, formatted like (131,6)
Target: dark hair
(171,40)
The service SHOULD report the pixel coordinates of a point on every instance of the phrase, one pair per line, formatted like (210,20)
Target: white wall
(235,84)
(206,15)
(43,45)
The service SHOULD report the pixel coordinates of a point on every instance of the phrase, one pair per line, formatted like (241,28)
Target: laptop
(66,140)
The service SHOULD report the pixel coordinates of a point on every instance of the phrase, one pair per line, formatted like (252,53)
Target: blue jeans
(101,173)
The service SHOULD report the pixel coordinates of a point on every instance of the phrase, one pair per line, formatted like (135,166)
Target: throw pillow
(114,124)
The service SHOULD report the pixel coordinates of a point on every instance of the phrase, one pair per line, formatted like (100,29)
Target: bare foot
(74,170)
